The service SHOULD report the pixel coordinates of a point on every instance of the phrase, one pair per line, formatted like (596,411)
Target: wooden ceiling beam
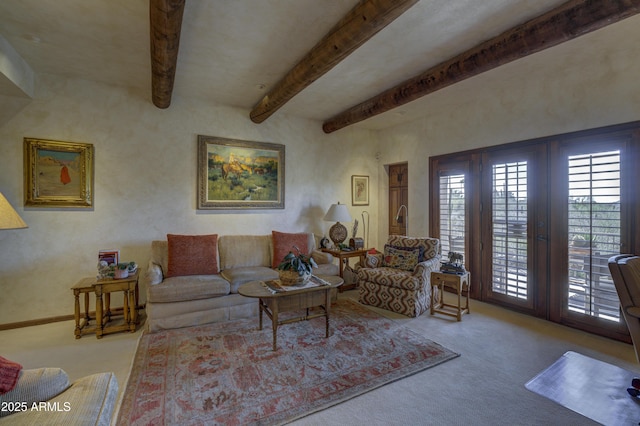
(166,21)
(566,22)
(361,23)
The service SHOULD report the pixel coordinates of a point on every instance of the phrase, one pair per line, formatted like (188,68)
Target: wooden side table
(86,286)
(458,283)
(343,257)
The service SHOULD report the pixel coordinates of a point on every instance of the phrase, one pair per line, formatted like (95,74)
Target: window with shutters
(593,232)
(539,220)
(452,213)
(509,210)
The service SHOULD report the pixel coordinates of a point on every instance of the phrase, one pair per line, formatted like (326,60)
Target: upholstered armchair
(625,270)
(398,280)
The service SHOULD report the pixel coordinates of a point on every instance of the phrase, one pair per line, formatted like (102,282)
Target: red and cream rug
(228,374)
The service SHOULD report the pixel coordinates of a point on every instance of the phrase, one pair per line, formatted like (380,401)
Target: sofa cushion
(90,400)
(192,255)
(239,251)
(239,276)
(9,373)
(36,385)
(284,242)
(326,269)
(401,258)
(177,289)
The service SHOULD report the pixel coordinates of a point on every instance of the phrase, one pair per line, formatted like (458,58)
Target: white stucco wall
(537,96)
(145,171)
(145,184)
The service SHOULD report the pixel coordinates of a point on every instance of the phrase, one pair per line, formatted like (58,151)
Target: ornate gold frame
(58,174)
(255,179)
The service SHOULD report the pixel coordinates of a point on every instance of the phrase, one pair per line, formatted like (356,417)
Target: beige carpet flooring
(500,351)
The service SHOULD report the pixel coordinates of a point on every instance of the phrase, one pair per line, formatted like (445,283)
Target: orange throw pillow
(283,243)
(192,255)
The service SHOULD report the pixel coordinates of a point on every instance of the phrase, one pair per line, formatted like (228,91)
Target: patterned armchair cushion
(391,277)
(429,247)
(401,257)
(373,260)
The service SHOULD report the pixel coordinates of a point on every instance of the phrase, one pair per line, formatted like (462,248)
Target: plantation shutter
(594,233)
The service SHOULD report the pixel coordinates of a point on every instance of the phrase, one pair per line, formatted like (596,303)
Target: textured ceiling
(233,51)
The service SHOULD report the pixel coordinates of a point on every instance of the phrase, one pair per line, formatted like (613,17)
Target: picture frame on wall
(238,174)
(58,174)
(359,190)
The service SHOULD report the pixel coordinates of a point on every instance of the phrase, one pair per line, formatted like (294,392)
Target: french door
(538,220)
(591,226)
(514,225)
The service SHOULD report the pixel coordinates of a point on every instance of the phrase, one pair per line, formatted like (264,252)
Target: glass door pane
(452,214)
(594,233)
(509,237)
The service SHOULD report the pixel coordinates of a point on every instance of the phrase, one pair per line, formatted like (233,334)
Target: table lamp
(338,213)
(9,218)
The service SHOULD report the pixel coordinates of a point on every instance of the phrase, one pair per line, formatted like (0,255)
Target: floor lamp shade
(9,218)
(338,213)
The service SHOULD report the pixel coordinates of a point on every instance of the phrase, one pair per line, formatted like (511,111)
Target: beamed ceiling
(369,63)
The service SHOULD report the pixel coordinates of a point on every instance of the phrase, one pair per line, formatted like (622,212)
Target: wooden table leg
(87,317)
(76,295)
(107,304)
(261,306)
(133,307)
(99,323)
(327,309)
(125,308)
(274,322)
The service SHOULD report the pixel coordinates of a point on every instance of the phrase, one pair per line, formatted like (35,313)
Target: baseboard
(49,320)
(40,321)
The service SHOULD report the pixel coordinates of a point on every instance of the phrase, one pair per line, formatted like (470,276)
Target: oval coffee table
(286,299)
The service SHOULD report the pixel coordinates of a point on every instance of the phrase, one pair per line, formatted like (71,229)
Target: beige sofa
(189,299)
(44,396)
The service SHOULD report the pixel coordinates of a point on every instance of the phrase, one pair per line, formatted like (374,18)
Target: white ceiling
(233,51)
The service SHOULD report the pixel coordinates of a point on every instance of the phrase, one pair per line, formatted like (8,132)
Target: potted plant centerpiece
(122,270)
(296,269)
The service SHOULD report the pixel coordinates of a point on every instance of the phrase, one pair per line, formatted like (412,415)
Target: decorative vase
(292,278)
(119,274)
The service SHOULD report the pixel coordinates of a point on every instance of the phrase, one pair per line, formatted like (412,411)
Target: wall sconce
(9,218)
(338,213)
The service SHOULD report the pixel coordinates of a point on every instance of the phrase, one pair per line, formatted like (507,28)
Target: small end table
(343,256)
(458,283)
(129,286)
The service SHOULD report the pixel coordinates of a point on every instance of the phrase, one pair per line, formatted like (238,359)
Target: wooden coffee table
(292,300)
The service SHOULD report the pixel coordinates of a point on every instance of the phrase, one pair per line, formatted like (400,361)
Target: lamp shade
(9,218)
(338,213)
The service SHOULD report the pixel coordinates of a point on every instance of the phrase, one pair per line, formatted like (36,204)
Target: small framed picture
(110,256)
(359,190)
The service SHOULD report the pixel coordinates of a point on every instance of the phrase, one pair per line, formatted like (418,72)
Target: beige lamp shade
(9,218)
(338,213)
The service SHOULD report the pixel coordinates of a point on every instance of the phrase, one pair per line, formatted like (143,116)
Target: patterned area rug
(228,374)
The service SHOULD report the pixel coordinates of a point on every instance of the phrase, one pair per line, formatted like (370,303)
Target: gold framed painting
(58,174)
(359,190)
(237,174)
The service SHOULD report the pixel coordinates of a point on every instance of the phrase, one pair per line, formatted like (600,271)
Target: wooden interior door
(398,197)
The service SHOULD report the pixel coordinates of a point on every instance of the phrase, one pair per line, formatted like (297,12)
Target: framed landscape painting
(237,174)
(58,174)
(360,190)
